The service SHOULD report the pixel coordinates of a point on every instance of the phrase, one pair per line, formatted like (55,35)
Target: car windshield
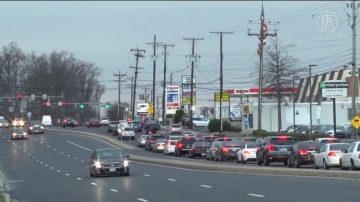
(35,122)
(19,130)
(202,144)
(231,144)
(110,154)
(188,140)
(161,141)
(306,145)
(128,129)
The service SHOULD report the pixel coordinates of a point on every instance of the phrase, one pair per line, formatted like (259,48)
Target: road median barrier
(236,168)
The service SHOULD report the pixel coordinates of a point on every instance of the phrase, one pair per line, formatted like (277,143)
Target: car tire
(127,174)
(297,162)
(342,166)
(242,160)
(352,165)
(237,159)
(315,165)
(289,165)
(258,161)
(221,158)
(325,165)
(266,161)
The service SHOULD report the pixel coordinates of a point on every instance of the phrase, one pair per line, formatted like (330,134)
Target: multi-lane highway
(54,167)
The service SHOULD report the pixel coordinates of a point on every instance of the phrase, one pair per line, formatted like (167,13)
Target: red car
(92,123)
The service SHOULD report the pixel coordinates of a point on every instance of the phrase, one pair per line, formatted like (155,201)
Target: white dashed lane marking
(113,190)
(206,186)
(78,178)
(93,183)
(141,199)
(147,175)
(58,171)
(257,195)
(82,147)
(172,180)
(67,174)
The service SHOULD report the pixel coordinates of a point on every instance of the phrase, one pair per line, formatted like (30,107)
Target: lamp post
(293,100)
(310,99)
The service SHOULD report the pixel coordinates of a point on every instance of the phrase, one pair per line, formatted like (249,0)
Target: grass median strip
(2,197)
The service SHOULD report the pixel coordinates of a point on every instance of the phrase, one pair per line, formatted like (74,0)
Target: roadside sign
(32,97)
(334,88)
(44,97)
(225,97)
(356,122)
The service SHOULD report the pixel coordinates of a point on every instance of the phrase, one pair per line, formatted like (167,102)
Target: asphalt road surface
(54,167)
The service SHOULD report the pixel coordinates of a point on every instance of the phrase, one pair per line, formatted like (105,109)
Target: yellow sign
(356,122)
(150,109)
(225,97)
(187,100)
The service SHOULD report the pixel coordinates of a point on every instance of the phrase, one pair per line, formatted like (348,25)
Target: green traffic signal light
(107,106)
(82,106)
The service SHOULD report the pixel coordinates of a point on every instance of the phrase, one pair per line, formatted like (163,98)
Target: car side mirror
(127,156)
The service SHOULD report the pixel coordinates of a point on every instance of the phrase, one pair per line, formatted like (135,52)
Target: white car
(104,121)
(329,155)
(127,133)
(174,128)
(169,147)
(200,122)
(324,140)
(47,121)
(351,157)
(247,153)
(159,145)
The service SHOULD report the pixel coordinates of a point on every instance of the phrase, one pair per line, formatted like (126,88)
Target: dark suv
(274,149)
(184,145)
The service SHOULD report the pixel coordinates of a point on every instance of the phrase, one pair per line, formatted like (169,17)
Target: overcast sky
(104,33)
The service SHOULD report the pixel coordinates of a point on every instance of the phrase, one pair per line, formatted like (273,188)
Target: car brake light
(359,156)
(158,145)
(224,149)
(179,145)
(331,154)
(303,152)
(270,147)
(282,137)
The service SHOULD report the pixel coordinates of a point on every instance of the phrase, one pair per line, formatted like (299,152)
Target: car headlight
(97,164)
(14,134)
(42,127)
(126,163)
(24,133)
(31,128)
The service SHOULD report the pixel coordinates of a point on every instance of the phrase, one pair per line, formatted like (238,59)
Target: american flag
(263,31)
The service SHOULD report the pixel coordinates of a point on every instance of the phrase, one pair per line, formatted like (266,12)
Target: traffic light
(20,97)
(82,106)
(107,105)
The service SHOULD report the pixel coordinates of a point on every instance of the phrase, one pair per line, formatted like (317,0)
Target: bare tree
(279,70)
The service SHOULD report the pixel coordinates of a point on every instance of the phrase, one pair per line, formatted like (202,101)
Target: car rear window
(283,140)
(251,145)
(157,137)
(358,149)
(329,141)
(202,144)
(231,144)
(176,126)
(209,138)
(306,145)
(188,140)
(335,147)
(161,141)
(250,140)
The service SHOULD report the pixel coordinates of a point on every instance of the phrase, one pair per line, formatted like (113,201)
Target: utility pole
(155,44)
(262,41)
(119,92)
(132,92)
(193,59)
(355,88)
(138,53)
(171,78)
(310,99)
(221,74)
(164,84)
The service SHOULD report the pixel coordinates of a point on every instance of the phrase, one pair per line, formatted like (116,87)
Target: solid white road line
(257,195)
(113,190)
(206,186)
(173,180)
(79,146)
(147,175)
(78,178)
(141,199)
(93,183)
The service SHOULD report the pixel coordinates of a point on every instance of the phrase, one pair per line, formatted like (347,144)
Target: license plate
(203,154)
(112,169)
(283,149)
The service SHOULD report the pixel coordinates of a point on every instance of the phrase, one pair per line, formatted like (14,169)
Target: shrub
(178,116)
(298,136)
(214,125)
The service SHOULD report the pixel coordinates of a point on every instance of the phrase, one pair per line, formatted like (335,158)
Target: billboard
(186,90)
(172,99)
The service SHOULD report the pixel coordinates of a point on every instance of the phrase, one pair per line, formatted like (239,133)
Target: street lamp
(293,100)
(310,66)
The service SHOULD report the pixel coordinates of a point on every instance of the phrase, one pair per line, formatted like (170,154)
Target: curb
(225,168)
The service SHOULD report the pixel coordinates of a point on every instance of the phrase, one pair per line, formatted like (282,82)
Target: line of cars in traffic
(326,152)
(342,131)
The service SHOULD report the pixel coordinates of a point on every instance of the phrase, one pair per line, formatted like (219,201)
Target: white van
(47,121)
(127,133)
